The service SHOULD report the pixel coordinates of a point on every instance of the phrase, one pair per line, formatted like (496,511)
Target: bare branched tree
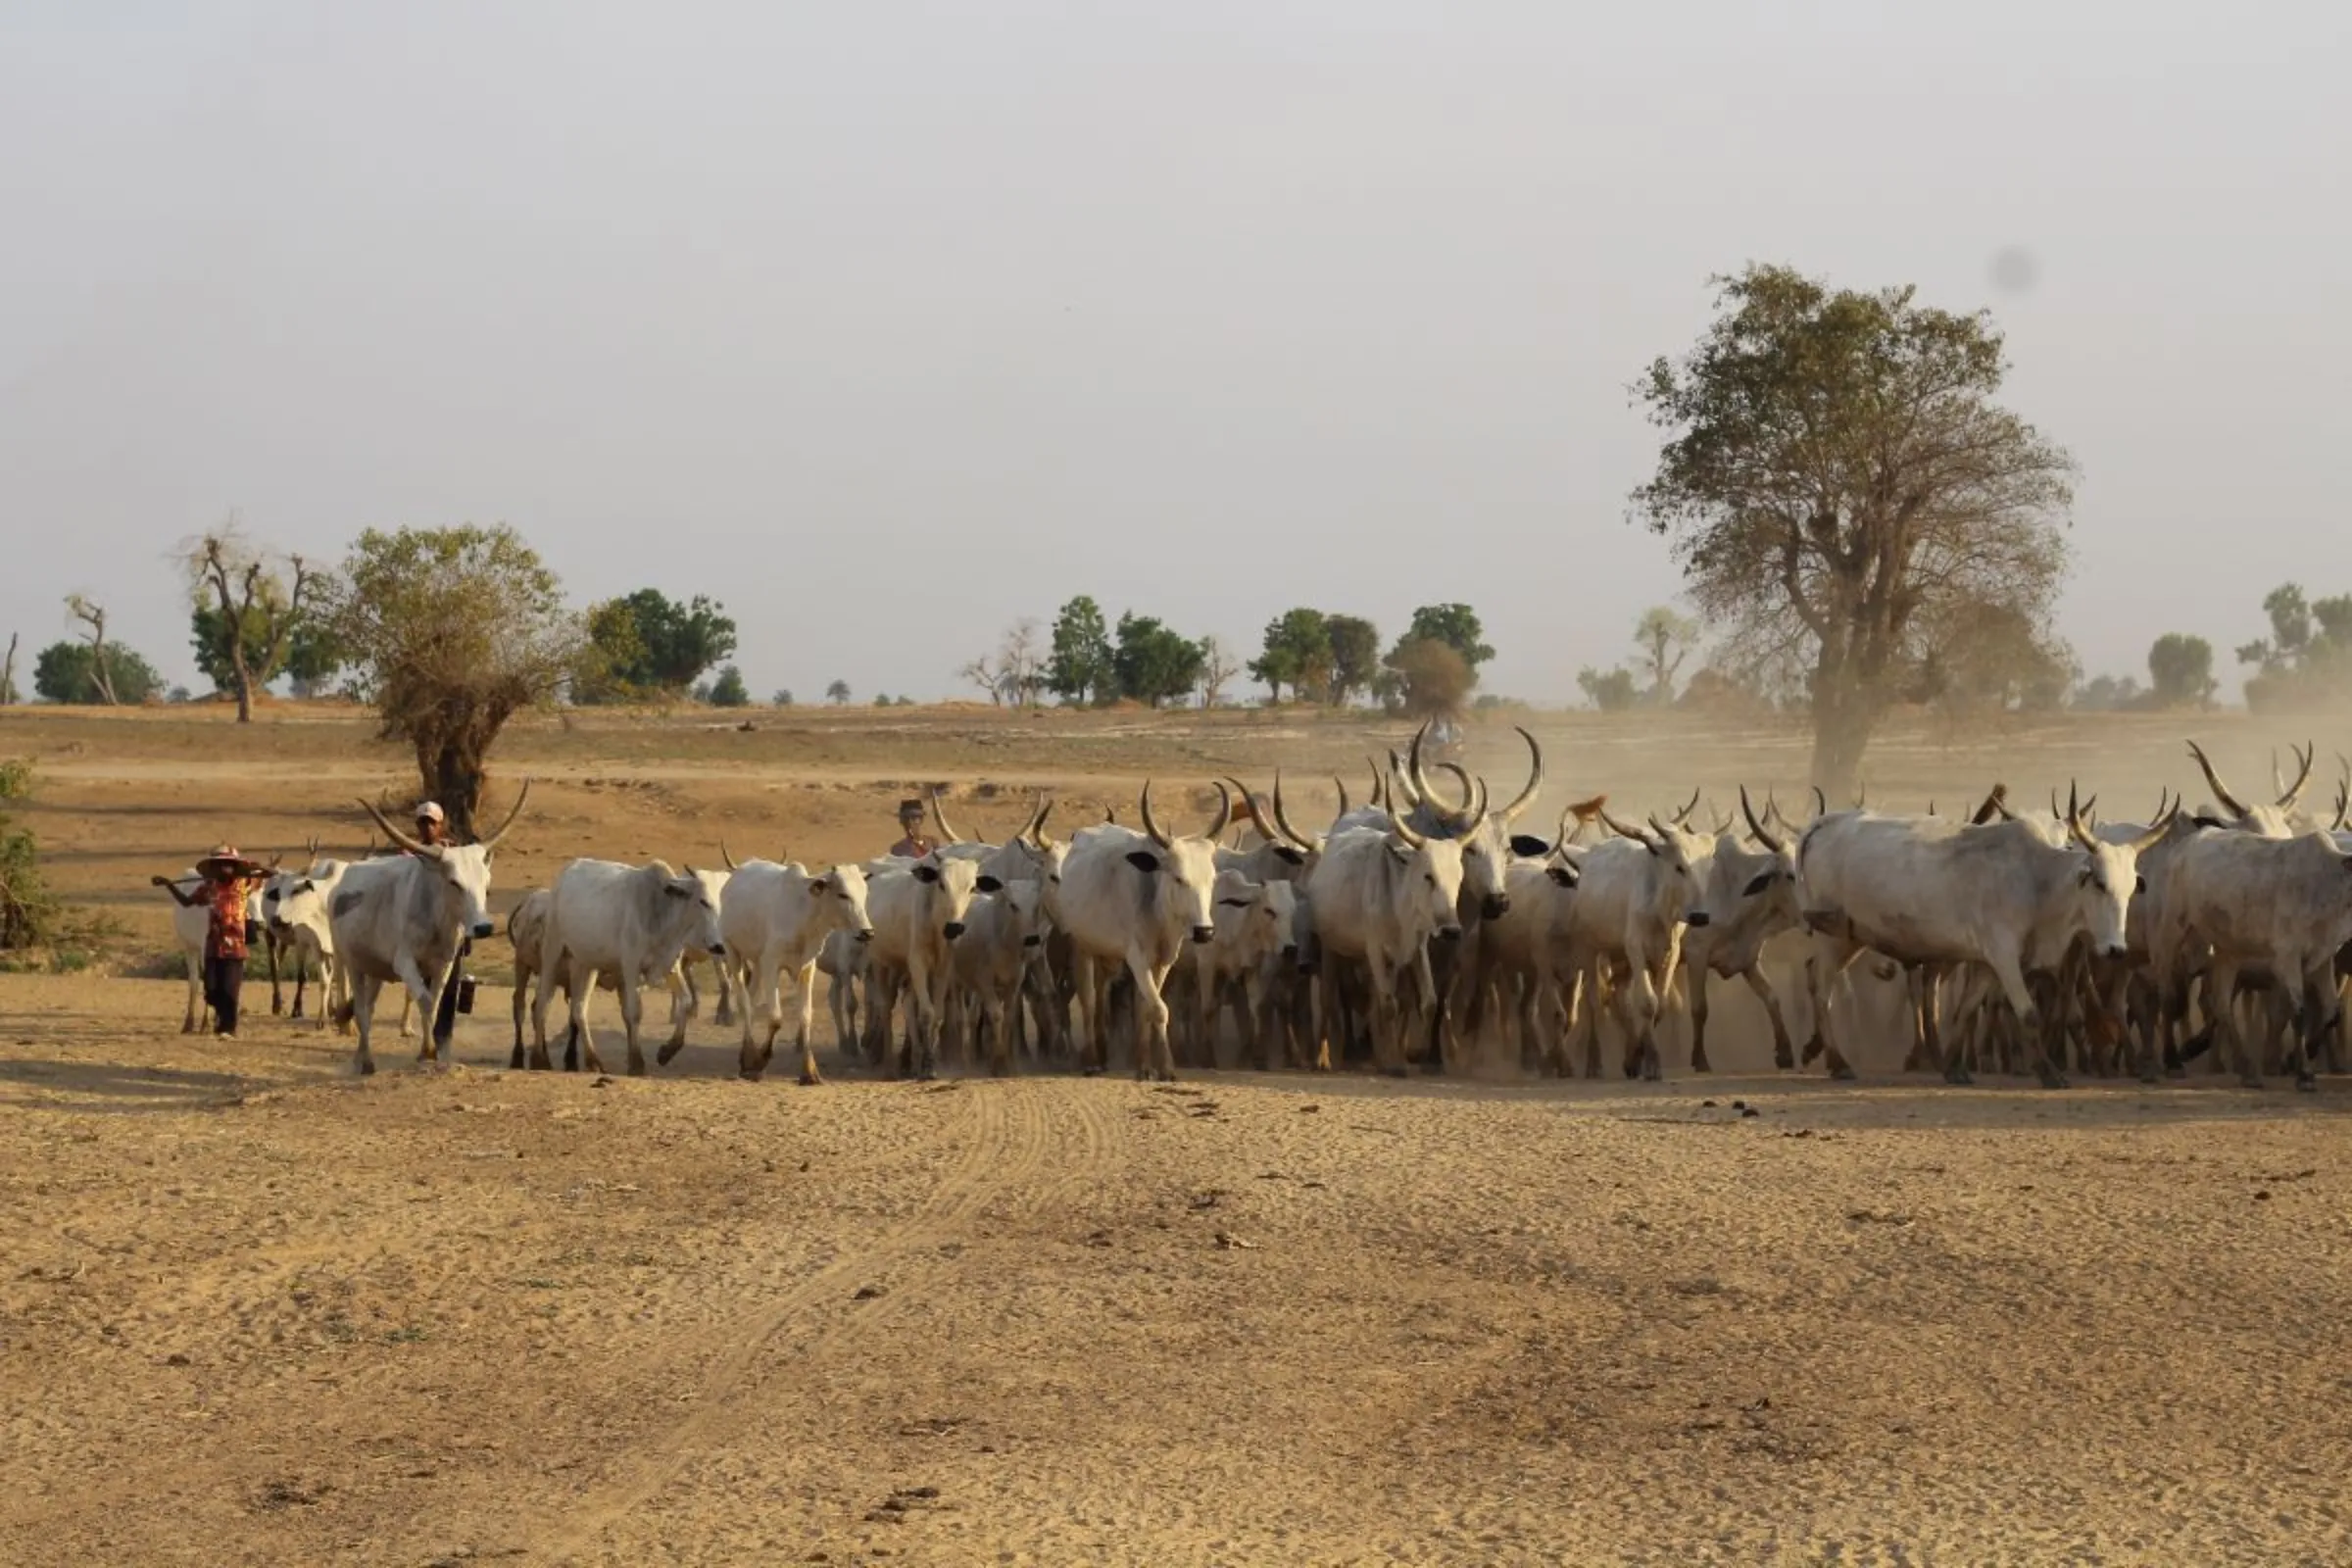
(8,675)
(1220,666)
(91,613)
(985,675)
(258,608)
(1021,662)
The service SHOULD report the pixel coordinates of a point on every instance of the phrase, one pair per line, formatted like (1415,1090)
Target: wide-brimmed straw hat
(226,858)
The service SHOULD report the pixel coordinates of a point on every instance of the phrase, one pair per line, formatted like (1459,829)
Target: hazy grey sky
(887,324)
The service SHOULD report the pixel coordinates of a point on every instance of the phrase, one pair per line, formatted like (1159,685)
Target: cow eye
(2140,884)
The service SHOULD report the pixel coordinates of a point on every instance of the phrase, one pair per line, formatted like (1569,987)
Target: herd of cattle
(1417,927)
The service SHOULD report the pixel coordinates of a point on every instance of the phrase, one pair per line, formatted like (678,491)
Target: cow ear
(989,884)
(673,890)
(821,887)
(1561,875)
(1654,847)
(1757,885)
(1236,903)
(2140,884)
(1288,855)
(1529,847)
(926,874)
(1142,860)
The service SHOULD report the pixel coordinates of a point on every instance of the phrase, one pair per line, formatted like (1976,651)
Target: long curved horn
(1282,820)
(2075,828)
(1340,785)
(1258,818)
(1379,794)
(1412,757)
(1224,813)
(724,857)
(1401,783)
(1037,829)
(430,850)
(1534,780)
(311,845)
(1682,818)
(2344,806)
(491,842)
(1404,829)
(1996,804)
(1475,813)
(939,815)
(1623,831)
(1755,824)
(2294,792)
(2278,779)
(1461,817)
(1821,803)
(1560,839)
(2156,829)
(1151,828)
(2056,815)
(2221,791)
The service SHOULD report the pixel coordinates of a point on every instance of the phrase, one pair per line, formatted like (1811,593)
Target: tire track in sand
(1008,1153)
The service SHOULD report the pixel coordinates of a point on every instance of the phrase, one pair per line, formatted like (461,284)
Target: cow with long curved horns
(1133,900)
(401,919)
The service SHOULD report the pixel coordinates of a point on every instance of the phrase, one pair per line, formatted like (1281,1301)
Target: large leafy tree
(67,671)
(648,644)
(1154,664)
(248,608)
(1080,670)
(1435,663)
(2180,670)
(1841,487)
(1455,626)
(1355,656)
(1296,653)
(450,632)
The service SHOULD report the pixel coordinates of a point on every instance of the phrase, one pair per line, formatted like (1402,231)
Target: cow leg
(578,992)
(1783,1053)
(685,1002)
(516,1006)
(725,1013)
(760,1016)
(2311,1021)
(421,992)
(542,994)
(1695,979)
(194,1013)
(2032,1019)
(633,1015)
(364,989)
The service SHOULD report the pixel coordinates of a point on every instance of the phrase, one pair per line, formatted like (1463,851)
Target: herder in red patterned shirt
(229,881)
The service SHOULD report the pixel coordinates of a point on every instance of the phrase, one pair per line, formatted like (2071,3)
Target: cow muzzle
(1205,933)
(718,949)
(1495,907)
(1449,932)
(866,936)
(951,930)
(484,930)
(1033,942)
(1697,919)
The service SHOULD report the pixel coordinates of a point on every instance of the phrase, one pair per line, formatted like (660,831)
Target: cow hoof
(187,1026)
(1844,1075)
(1700,1064)
(810,1080)
(2249,1080)
(1396,1072)
(1959,1080)
(2307,1084)
(367,1070)
(1090,1071)
(2054,1080)
(278,1008)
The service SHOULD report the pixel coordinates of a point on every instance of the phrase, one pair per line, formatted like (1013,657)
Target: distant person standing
(913,846)
(432,831)
(226,882)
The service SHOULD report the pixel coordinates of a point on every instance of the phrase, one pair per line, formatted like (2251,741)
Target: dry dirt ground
(253,1310)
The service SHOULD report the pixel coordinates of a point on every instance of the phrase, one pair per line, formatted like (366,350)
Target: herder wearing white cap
(432,828)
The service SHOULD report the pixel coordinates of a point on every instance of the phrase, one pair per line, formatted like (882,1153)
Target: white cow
(629,922)
(917,910)
(1003,935)
(2277,908)
(296,908)
(1625,930)
(401,919)
(775,920)
(1132,901)
(1245,968)
(842,960)
(1379,900)
(1746,899)
(1938,890)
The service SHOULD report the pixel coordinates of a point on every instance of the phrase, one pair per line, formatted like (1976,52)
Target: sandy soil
(252,1310)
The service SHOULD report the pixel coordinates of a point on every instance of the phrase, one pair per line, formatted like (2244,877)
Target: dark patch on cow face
(1527,846)
(1757,885)
(1561,876)
(1143,860)
(673,890)
(1238,903)
(926,874)
(1288,855)
(989,884)
(345,902)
